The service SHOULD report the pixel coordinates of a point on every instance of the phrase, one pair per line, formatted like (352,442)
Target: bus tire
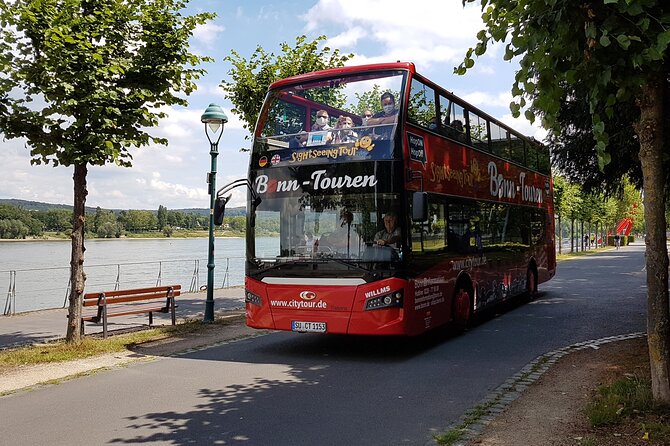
(462,307)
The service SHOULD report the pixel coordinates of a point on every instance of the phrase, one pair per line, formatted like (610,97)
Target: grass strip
(90,346)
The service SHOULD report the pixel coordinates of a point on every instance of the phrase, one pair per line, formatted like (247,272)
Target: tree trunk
(650,132)
(560,235)
(77,276)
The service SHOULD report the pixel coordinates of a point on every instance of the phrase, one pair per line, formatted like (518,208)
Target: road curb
(473,422)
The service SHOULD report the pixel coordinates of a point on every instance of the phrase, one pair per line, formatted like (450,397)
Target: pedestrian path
(48,325)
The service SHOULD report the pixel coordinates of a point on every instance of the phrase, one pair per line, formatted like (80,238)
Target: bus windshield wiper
(353,264)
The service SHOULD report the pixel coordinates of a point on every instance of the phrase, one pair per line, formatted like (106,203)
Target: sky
(434,34)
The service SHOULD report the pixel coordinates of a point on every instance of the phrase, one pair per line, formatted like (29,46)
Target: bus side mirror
(220,209)
(420,206)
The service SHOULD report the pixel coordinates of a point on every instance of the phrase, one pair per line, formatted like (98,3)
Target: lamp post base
(209,312)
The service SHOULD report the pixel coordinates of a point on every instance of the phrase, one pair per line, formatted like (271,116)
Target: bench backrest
(133,295)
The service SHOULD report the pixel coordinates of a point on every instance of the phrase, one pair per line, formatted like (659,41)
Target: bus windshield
(325,227)
(360,109)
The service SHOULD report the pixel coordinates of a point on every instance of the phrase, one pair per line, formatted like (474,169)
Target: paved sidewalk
(47,325)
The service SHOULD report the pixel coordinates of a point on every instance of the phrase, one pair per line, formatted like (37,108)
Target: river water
(35,274)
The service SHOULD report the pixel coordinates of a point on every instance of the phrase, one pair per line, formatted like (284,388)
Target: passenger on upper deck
(320,125)
(321,121)
(389,112)
(434,124)
(367,114)
(456,130)
(343,132)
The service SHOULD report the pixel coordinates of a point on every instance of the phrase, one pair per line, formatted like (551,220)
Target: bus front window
(290,117)
(321,227)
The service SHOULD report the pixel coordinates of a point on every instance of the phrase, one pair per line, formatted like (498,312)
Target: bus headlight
(252,298)
(394,299)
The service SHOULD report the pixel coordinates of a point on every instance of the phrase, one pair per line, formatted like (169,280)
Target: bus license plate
(308,327)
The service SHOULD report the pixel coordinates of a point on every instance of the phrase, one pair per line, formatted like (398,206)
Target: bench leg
(104,322)
(81,328)
(151,318)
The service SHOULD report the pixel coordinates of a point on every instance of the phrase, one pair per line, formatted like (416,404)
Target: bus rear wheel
(462,308)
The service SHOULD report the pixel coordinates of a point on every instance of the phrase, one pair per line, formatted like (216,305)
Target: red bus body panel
(342,307)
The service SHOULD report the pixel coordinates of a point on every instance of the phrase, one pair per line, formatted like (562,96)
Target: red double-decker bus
(471,200)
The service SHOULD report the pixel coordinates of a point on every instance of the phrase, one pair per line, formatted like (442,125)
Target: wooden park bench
(158,299)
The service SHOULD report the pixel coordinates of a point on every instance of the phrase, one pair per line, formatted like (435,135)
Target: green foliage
(137,221)
(109,229)
(613,48)
(620,399)
(162,216)
(251,78)
(13,229)
(571,202)
(58,220)
(19,223)
(370,100)
(168,231)
(238,223)
(101,69)
(574,151)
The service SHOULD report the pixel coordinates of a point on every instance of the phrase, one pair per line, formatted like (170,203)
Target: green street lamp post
(214,119)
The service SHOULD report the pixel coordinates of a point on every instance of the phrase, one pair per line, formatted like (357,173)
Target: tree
(31,222)
(58,220)
(616,50)
(573,150)
(138,220)
(251,79)
(91,76)
(162,216)
(12,228)
(105,224)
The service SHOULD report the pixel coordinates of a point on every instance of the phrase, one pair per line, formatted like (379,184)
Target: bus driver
(390,235)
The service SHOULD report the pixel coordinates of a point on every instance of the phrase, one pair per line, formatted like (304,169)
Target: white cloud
(523,126)
(429,31)
(348,38)
(208,33)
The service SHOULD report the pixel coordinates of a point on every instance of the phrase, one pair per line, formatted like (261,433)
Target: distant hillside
(40,206)
(230,212)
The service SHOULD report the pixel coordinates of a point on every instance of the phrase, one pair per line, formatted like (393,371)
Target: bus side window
(431,235)
(455,122)
(499,141)
(479,132)
(537,231)
(457,227)
(285,118)
(517,148)
(421,108)
(543,160)
(531,156)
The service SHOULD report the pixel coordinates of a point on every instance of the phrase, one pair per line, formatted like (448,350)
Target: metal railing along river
(45,288)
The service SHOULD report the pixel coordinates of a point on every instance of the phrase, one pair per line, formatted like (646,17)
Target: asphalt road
(290,389)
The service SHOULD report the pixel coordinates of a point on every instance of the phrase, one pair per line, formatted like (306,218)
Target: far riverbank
(141,235)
